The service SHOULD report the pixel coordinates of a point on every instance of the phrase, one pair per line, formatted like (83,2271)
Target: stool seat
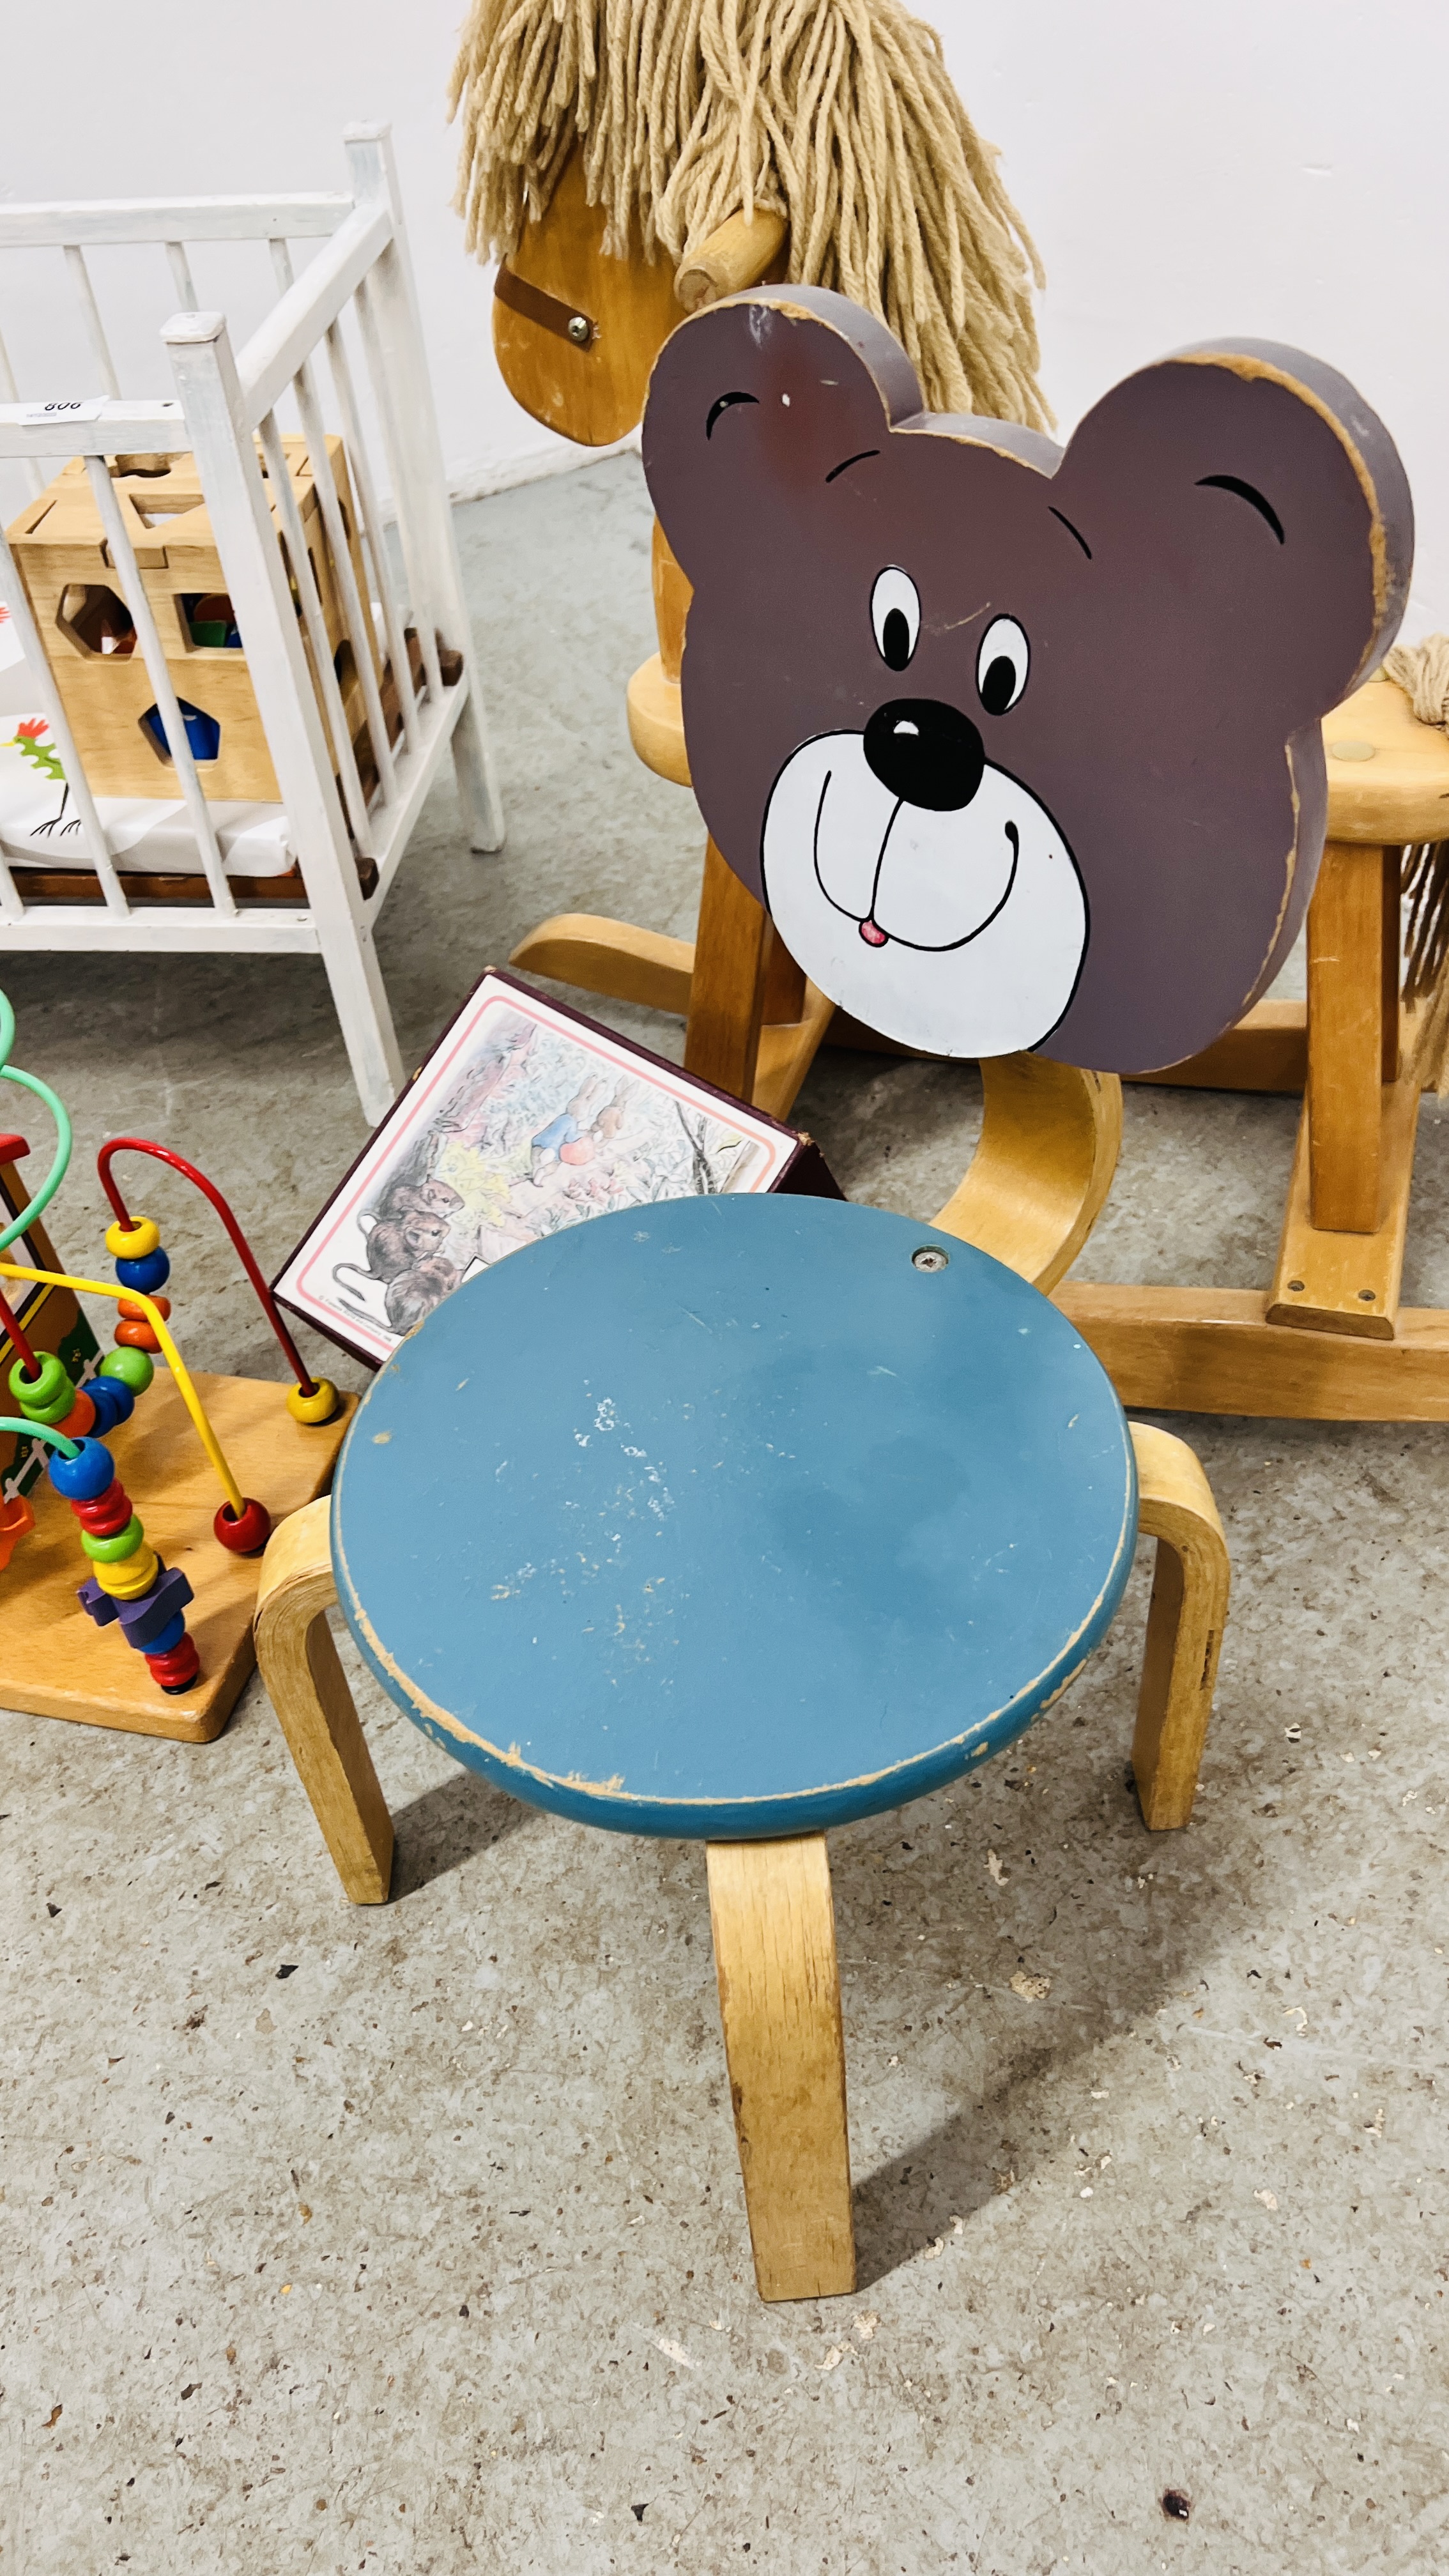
(739,1521)
(1401,791)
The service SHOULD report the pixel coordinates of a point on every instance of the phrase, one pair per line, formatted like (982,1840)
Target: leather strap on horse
(565,320)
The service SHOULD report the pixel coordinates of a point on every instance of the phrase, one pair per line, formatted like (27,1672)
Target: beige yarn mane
(837,114)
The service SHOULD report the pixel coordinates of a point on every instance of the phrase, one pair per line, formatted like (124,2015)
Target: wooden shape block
(308,1689)
(779,1996)
(1184,1624)
(54,1662)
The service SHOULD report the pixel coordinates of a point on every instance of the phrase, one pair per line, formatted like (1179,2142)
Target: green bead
(47,1398)
(111,1551)
(133,1367)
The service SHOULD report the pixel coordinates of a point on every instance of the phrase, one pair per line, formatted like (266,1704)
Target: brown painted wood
(1345,1039)
(727,989)
(597,955)
(779,1994)
(1213,1350)
(55,1662)
(1185,1625)
(308,1689)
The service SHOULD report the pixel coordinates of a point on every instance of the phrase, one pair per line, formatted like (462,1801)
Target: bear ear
(754,404)
(1263,509)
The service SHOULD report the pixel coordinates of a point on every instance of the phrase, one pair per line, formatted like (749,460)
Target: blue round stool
(734,1518)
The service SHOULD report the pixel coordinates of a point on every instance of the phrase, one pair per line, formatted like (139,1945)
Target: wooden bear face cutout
(1020,745)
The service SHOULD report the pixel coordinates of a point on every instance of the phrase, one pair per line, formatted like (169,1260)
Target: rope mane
(837,114)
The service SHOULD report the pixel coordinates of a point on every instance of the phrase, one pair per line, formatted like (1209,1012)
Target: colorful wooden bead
(86,1476)
(319,1406)
(80,1419)
(108,1514)
(132,1367)
(114,1550)
(134,1575)
(137,1337)
(35,1395)
(248,1533)
(135,1314)
(147,1275)
(112,1402)
(177,1671)
(132,1242)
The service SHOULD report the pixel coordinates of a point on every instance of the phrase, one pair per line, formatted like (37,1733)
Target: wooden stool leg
(779,1996)
(1184,1625)
(308,1689)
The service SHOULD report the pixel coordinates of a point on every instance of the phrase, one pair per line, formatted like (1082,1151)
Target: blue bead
(170,1636)
(146,1275)
(84,1478)
(113,1403)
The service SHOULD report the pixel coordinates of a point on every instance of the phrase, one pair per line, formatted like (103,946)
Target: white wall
(1188,169)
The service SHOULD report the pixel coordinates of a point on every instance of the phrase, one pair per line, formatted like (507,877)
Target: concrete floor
(412,2238)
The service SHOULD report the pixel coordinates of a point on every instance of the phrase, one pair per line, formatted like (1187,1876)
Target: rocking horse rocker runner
(760,1516)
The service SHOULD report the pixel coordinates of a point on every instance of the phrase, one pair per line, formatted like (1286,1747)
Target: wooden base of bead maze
(55,1663)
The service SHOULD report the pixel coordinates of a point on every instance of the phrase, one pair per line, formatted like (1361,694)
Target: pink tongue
(872,933)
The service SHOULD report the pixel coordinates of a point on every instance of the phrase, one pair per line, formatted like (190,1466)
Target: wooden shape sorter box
(64,561)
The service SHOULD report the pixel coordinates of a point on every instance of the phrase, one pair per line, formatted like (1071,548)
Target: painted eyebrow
(852,460)
(724,404)
(1071,531)
(1248,492)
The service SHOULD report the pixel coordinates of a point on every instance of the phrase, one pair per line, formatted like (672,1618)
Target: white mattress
(147,833)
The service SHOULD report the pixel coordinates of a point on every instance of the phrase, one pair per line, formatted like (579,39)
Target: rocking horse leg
(779,1995)
(1184,1625)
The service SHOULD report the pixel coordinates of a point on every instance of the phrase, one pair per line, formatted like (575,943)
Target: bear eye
(895,614)
(1002,665)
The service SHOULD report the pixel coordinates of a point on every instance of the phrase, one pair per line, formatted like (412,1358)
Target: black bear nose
(925,752)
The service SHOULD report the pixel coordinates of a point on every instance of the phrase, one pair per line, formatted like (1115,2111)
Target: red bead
(248,1535)
(136,1314)
(177,1671)
(137,1337)
(106,1516)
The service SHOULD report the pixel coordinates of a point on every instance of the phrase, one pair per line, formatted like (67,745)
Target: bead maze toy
(178,1585)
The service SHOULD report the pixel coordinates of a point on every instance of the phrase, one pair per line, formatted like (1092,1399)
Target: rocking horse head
(623,173)
(1020,745)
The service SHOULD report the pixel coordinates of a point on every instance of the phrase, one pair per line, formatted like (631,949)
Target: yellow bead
(132,1242)
(133,1576)
(318,1407)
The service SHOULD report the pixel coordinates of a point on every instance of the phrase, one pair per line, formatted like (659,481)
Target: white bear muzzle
(960,932)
